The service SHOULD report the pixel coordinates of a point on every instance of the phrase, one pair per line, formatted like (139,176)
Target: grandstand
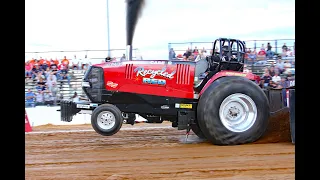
(65,91)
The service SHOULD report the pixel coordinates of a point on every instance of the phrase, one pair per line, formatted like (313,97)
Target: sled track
(155,151)
(91,130)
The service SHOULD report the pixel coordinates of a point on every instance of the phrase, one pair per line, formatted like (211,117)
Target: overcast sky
(82,24)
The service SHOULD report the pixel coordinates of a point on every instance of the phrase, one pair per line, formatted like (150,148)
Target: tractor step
(185,118)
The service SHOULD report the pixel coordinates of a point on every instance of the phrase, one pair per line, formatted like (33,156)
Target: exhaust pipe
(129,53)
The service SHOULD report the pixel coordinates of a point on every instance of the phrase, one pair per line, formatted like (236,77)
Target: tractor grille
(129,71)
(183,74)
(95,77)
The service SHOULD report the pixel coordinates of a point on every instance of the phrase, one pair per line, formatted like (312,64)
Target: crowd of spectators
(267,53)
(251,56)
(46,73)
(189,54)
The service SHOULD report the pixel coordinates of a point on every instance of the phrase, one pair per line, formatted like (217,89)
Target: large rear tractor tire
(106,119)
(233,111)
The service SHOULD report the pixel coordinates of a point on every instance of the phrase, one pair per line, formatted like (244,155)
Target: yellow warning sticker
(186,106)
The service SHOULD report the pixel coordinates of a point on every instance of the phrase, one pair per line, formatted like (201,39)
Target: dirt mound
(278,129)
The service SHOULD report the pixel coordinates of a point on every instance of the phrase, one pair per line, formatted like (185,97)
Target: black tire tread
(208,111)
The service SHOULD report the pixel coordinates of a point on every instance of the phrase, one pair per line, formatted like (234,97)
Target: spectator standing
(284,48)
(269,52)
(123,57)
(75,62)
(28,69)
(172,54)
(30,98)
(86,60)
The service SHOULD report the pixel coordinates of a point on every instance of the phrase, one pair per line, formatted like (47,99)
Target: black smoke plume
(134,11)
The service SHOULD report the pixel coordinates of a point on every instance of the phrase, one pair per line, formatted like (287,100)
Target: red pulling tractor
(212,97)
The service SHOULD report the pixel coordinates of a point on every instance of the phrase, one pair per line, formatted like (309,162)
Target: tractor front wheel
(106,119)
(232,111)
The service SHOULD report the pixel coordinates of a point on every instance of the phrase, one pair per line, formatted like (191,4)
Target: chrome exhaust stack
(129,53)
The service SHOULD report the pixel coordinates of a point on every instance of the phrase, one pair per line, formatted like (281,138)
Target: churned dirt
(155,154)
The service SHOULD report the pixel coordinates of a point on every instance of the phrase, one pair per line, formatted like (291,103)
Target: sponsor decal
(84,106)
(141,72)
(153,73)
(183,106)
(235,74)
(93,105)
(160,82)
(165,107)
(113,64)
(112,84)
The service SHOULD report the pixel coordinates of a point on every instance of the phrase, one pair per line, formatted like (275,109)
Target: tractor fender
(226,73)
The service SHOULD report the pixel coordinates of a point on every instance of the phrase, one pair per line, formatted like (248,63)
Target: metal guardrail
(181,47)
(92,54)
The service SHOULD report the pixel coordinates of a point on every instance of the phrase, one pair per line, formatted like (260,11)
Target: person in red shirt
(262,53)
(28,69)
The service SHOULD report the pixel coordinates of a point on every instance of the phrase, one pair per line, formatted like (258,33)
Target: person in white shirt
(287,64)
(85,61)
(276,78)
(75,62)
(51,80)
(289,53)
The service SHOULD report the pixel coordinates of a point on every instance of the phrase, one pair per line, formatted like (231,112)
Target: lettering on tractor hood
(161,72)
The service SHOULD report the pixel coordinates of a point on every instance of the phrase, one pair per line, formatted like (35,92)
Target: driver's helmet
(225,48)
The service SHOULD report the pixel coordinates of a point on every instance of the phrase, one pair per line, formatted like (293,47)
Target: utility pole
(108,28)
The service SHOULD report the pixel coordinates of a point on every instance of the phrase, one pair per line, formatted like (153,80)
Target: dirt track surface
(153,154)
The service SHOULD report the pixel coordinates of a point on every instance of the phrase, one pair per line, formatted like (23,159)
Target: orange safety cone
(27,124)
